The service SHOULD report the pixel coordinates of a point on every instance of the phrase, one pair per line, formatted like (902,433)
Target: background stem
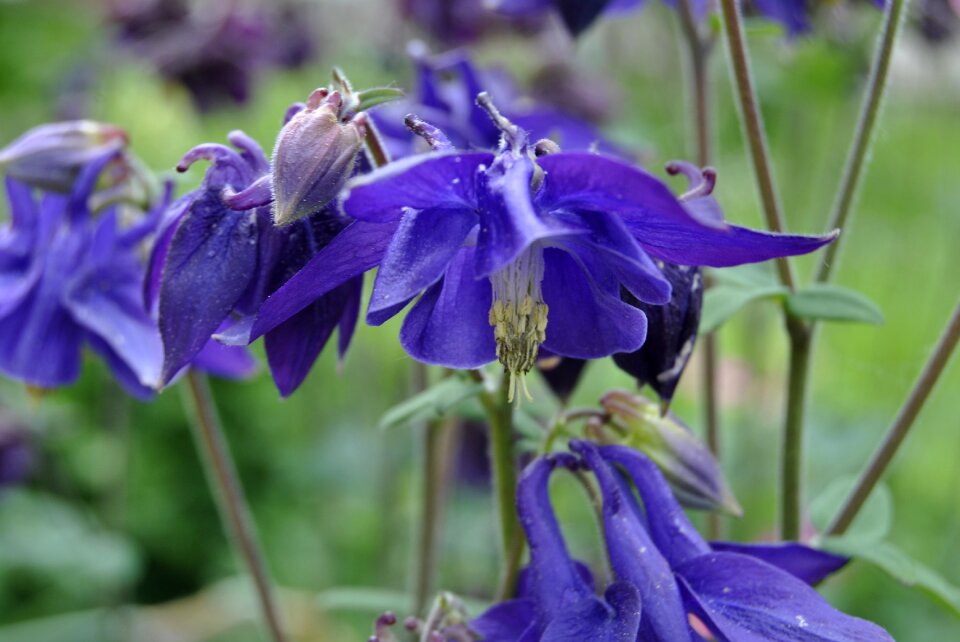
(228,493)
(859,149)
(900,427)
(752,123)
(791,465)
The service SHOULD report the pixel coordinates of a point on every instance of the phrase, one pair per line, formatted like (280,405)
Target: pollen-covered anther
(519,316)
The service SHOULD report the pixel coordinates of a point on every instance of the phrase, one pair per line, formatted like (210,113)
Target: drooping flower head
(517,253)
(220,255)
(749,593)
(555,598)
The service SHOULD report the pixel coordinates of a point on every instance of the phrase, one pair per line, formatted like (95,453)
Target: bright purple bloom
(556,600)
(70,278)
(745,594)
(513,252)
(219,255)
(445,92)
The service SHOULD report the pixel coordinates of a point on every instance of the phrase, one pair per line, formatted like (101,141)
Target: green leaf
(377,96)
(434,402)
(874,519)
(825,302)
(898,565)
(723,301)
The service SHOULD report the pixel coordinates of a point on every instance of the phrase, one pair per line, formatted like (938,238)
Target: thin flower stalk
(866,126)
(230,499)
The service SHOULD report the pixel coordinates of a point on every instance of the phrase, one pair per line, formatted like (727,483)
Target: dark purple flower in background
(512,252)
(445,90)
(219,255)
(458,22)
(556,600)
(69,279)
(214,49)
(16,453)
(938,20)
(579,15)
(744,593)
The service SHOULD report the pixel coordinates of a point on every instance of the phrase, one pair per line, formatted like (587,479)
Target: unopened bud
(686,463)
(314,156)
(51,156)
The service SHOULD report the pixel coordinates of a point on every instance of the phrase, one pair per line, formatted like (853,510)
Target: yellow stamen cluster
(519,316)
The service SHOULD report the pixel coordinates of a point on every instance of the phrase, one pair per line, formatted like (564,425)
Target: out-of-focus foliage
(117,513)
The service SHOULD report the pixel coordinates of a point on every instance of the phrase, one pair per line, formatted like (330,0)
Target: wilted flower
(314,156)
(555,598)
(51,156)
(513,252)
(220,254)
(741,595)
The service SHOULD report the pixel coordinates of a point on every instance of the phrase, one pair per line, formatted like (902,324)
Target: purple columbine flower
(556,599)
(69,279)
(740,592)
(444,94)
(219,255)
(512,252)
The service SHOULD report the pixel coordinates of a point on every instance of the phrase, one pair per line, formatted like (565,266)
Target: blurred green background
(116,512)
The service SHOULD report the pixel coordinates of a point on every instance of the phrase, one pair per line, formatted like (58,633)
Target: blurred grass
(335,498)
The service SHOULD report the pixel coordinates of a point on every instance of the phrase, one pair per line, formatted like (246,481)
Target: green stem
(866,126)
(228,493)
(438,445)
(791,499)
(900,427)
(503,462)
(752,123)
